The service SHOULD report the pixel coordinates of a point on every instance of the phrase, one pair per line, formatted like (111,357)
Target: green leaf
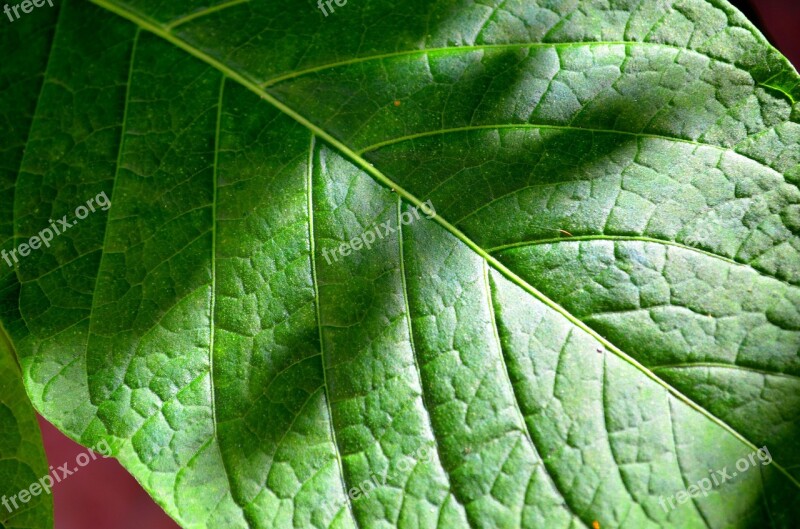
(603,313)
(22,459)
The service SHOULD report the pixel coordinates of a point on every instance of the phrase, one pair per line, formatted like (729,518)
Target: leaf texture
(604,309)
(22,459)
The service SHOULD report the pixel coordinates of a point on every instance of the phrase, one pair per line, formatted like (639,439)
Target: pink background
(100,495)
(103,495)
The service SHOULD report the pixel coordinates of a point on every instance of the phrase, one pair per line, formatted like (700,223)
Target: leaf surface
(604,308)
(22,459)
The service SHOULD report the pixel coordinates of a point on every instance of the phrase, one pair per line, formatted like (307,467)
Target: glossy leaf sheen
(605,308)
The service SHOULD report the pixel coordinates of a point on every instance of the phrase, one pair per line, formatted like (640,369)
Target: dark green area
(605,308)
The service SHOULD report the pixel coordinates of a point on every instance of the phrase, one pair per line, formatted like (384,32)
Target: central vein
(147,24)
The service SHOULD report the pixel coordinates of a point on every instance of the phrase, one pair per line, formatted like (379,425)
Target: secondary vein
(327,396)
(246,81)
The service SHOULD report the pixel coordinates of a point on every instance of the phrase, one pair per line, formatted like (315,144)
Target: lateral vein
(252,85)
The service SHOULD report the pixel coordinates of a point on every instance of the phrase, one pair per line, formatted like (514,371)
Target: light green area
(605,308)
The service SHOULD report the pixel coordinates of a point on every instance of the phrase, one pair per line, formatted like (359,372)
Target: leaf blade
(344,137)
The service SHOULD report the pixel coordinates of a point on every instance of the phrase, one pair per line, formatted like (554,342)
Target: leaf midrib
(145,23)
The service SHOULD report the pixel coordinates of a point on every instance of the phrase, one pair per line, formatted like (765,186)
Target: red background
(103,495)
(779,20)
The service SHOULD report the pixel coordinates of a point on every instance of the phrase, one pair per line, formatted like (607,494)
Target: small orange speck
(397,103)
(595,525)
